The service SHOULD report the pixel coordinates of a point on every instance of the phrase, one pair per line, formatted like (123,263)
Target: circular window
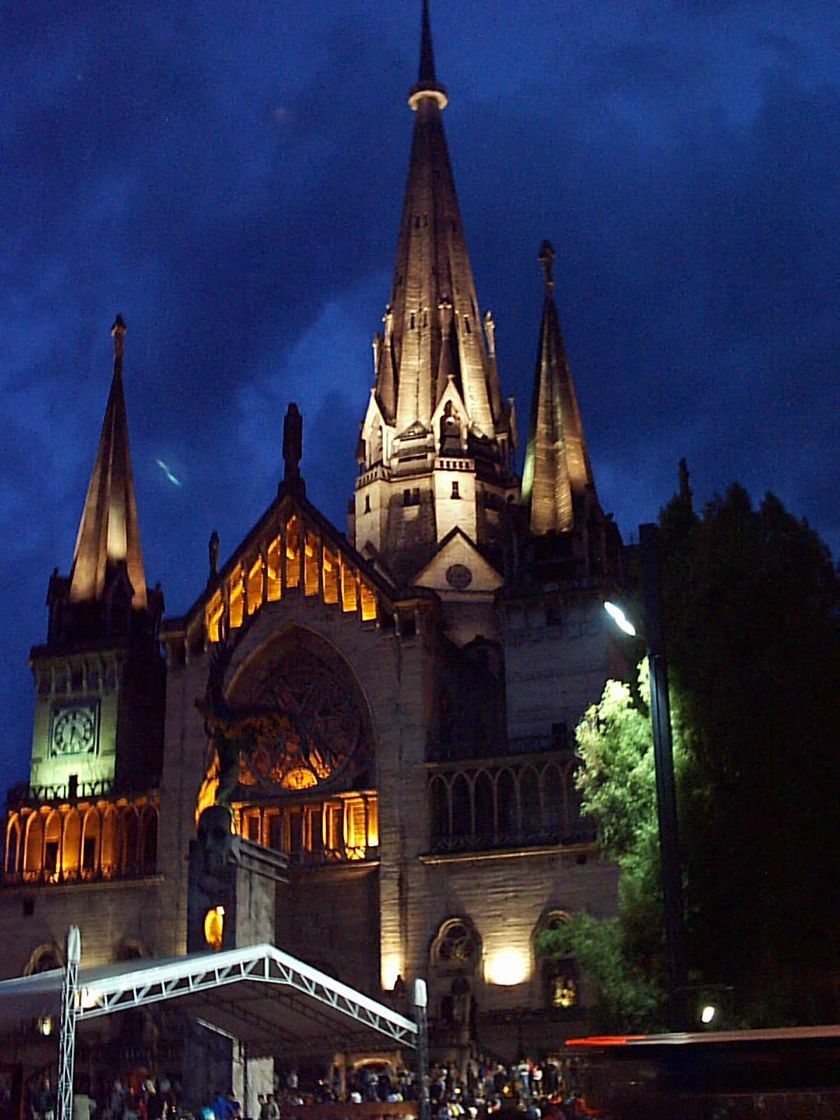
(301,719)
(459,576)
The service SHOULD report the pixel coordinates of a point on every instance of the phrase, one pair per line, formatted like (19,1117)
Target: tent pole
(420,1000)
(67,1034)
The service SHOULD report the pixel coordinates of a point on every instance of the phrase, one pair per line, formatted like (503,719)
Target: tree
(752,608)
(616,780)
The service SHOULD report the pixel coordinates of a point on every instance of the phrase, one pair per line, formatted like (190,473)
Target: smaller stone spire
(557,472)
(109,531)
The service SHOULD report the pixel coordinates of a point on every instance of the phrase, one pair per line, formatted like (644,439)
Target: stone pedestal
(239,879)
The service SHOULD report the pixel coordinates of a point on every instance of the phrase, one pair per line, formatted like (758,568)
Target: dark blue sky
(229,177)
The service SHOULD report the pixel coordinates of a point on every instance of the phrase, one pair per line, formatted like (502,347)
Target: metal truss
(261,964)
(67,1033)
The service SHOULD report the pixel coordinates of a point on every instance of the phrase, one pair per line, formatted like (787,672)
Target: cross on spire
(546,258)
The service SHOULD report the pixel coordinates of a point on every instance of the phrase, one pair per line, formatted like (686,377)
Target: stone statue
(214,837)
(213,554)
(292,443)
(232,731)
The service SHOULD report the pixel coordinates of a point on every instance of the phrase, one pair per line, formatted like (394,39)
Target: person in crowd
(84,1105)
(269,1109)
(43,1101)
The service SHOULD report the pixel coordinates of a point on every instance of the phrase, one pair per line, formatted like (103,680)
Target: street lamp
(663,758)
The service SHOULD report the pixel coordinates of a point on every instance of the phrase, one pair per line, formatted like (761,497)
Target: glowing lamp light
(707,1014)
(620,618)
(214,927)
(89,998)
(507,967)
(45,1026)
(390,969)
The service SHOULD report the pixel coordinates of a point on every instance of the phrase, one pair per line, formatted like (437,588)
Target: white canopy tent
(260,995)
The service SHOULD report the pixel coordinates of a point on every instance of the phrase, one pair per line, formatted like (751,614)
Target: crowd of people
(481,1090)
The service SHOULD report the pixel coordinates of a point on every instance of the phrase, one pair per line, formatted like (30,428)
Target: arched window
(128,842)
(461,808)
(554,802)
(148,841)
(560,975)
(507,815)
(45,958)
(13,846)
(529,796)
(71,846)
(91,843)
(52,847)
(483,801)
(438,809)
(33,859)
(109,860)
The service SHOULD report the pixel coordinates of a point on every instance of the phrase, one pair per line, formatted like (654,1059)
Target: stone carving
(215,837)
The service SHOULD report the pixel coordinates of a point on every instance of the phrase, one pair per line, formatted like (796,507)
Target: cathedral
(389,706)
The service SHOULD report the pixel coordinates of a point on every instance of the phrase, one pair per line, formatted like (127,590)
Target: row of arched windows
(67,844)
(522,804)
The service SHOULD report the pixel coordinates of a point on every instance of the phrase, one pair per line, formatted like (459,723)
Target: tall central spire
(435,330)
(436,407)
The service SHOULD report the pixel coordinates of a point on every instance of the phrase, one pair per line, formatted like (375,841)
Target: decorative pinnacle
(118,335)
(546,259)
(427,83)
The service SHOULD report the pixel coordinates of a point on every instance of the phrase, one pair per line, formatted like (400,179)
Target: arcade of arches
(69,843)
(523,802)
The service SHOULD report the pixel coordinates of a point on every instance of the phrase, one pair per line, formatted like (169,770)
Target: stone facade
(392,710)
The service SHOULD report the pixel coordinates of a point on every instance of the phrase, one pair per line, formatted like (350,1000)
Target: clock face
(74,730)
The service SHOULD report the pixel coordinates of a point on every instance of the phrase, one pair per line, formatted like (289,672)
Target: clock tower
(99,679)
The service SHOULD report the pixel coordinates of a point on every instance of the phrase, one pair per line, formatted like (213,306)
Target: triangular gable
(458,569)
(292,548)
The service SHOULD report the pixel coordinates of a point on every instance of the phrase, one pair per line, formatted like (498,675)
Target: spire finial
(546,259)
(427,83)
(118,334)
(426,74)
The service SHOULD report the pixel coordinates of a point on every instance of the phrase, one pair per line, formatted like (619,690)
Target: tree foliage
(751,607)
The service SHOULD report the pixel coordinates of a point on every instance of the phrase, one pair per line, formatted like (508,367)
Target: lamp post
(663,757)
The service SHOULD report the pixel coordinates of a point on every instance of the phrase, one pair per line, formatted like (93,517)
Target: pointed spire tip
(427,83)
(118,334)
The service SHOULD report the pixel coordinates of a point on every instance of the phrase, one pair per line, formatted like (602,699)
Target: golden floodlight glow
(390,970)
(707,1014)
(88,998)
(214,927)
(507,967)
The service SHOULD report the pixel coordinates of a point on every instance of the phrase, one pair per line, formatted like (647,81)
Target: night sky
(229,176)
